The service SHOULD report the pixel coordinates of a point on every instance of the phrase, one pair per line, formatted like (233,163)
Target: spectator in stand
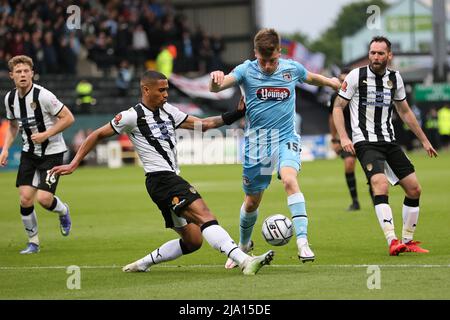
(38,53)
(217,47)
(68,58)
(140,47)
(16,46)
(123,80)
(50,55)
(185,61)
(444,125)
(123,39)
(205,55)
(4,71)
(164,60)
(84,101)
(5,8)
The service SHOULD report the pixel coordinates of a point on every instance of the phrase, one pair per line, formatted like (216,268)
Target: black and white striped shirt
(35,112)
(152,134)
(371,99)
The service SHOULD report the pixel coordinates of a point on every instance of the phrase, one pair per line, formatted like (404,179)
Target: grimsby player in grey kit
(151,126)
(40,118)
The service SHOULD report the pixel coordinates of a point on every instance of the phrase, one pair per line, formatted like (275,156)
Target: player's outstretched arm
(226,118)
(65,120)
(408,117)
(88,144)
(320,80)
(335,142)
(338,117)
(219,81)
(9,139)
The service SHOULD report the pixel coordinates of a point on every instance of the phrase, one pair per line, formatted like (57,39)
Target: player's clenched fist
(217,77)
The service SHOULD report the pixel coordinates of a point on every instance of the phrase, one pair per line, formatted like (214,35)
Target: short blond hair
(14,61)
(267,41)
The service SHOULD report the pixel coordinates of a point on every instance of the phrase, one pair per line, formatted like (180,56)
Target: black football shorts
(373,156)
(33,171)
(172,194)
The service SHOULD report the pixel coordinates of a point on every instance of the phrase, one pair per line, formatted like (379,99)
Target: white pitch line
(336,266)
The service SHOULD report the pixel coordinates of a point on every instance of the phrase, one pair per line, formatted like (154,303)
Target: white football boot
(251,265)
(135,267)
(230,264)
(305,253)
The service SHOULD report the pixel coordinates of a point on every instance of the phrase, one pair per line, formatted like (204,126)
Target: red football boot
(413,246)
(396,247)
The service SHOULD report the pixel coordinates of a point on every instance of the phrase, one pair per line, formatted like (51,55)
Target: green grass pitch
(115,222)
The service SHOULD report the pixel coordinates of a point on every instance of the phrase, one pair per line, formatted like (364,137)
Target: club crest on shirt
(390,84)
(33,105)
(175,201)
(287,76)
(117,118)
(344,86)
(369,167)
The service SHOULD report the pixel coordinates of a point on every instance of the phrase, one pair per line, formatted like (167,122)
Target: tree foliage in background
(350,20)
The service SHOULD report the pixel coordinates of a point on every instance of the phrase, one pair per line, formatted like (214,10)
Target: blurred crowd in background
(135,31)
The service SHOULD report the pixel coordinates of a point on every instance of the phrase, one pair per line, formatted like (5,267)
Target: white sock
(410,218)
(167,252)
(220,240)
(59,207)
(31,228)
(386,220)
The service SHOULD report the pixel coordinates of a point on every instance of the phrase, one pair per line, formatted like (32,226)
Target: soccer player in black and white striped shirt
(151,126)
(373,90)
(41,118)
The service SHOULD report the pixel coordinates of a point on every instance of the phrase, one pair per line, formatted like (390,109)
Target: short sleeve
(239,72)
(178,116)
(300,71)
(400,93)
(50,102)
(124,121)
(9,114)
(350,85)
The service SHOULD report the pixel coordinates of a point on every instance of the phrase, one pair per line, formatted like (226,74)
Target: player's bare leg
(410,212)
(296,203)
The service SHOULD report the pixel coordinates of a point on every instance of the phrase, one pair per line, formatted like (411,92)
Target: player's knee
(251,205)
(290,183)
(26,201)
(414,192)
(349,165)
(45,200)
(379,184)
